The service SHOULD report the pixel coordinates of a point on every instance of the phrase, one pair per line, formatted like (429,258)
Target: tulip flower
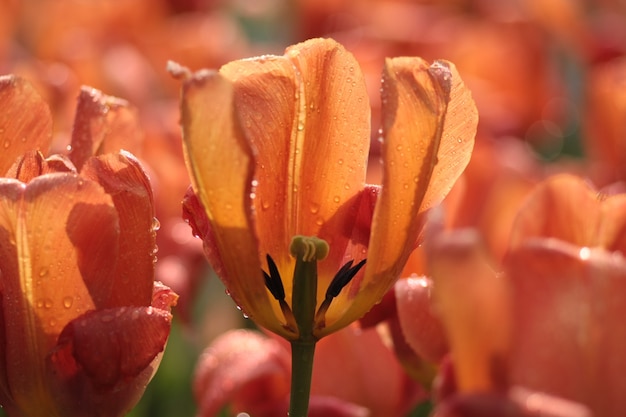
(277,149)
(83,322)
(549,323)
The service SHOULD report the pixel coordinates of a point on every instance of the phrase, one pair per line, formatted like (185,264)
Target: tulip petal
(103,124)
(25,120)
(123,178)
(429,123)
(42,291)
(106,358)
(33,164)
(221,164)
(306,115)
(569,335)
(473,304)
(420,325)
(563,207)
(244,368)
(114,344)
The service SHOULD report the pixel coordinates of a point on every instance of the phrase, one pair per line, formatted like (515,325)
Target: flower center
(302,317)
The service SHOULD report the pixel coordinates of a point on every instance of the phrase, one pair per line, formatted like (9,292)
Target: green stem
(301,371)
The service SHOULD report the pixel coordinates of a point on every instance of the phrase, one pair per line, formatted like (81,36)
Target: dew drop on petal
(156,224)
(68,301)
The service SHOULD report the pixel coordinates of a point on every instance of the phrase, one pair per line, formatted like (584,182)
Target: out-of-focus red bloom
(354,375)
(83,322)
(550,321)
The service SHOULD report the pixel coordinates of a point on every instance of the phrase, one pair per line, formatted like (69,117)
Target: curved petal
(103,124)
(569,301)
(221,165)
(33,164)
(563,207)
(245,368)
(474,306)
(306,115)
(123,178)
(58,244)
(429,123)
(105,358)
(25,120)
(420,325)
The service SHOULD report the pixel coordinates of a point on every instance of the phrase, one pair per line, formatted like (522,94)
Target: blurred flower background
(548,78)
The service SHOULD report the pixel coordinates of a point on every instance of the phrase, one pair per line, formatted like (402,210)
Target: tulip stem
(302,353)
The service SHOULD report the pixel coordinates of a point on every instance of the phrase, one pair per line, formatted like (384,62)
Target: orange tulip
(277,147)
(83,322)
(550,322)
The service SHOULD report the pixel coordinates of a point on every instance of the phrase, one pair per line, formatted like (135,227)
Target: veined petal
(123,178)
(25,120)
(33,164)
(429,123)
(306,115)
(42,291)
(221,164)
(105,358)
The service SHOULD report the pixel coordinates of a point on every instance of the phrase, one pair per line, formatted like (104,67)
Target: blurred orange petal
(569,334)
(473,303)
(25,120)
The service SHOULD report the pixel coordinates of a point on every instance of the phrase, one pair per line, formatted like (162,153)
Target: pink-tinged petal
(519,402)
(221,165)
(124,179)
(245,369)
(357,366)
(42,291)
(473,303)
(104,360)
(163,298)
(422,329)
(320,406)
(25,120)
(33,164)
(429,123)
(569,338)
(563,207)
(103,124)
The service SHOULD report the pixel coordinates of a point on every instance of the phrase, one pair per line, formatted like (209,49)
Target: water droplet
(68,148)
(340,161)
(47,303)
(300,126)
(319,221)
(315,208)
(68,301)
(43,272)
(336,199)
(52,322)
(6,144)
(156,224)
(265,204)
(459,140)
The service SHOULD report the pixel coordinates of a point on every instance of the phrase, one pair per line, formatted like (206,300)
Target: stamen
(273,282)
(341,279)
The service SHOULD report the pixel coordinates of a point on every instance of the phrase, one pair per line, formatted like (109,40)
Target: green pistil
(307,251)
